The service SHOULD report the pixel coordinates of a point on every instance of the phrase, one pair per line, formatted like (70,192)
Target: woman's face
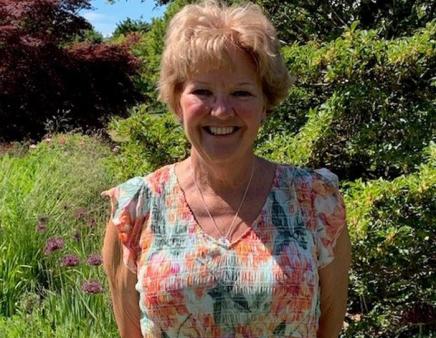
(222,109)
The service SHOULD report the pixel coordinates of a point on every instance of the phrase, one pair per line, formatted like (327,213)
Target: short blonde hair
(205,32)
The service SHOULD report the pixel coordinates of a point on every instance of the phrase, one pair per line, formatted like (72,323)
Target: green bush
(300,20)
(384,103)
(393,284)
(146,142)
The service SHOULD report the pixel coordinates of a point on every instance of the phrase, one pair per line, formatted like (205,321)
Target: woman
(226,244)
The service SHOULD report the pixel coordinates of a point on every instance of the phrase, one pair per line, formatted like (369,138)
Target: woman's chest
(187,270)
(269,271)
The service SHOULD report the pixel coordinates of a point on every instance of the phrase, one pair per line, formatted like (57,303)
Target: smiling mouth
(221,131)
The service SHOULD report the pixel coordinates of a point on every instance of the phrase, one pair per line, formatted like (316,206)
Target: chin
(220,155)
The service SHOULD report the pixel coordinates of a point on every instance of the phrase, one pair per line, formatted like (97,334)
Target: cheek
(250,111)
(192,107)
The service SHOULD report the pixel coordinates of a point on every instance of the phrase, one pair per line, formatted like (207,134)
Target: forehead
(234,65)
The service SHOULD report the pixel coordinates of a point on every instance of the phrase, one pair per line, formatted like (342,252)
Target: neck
(226,176)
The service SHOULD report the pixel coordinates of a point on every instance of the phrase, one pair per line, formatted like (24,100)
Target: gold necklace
(225,237)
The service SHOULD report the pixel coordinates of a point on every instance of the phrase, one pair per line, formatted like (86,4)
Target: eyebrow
(238,84)
(245,83)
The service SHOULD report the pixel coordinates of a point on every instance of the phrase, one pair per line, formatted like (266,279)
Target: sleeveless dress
(264,284)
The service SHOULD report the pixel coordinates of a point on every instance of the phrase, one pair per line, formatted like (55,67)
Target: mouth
(221,131)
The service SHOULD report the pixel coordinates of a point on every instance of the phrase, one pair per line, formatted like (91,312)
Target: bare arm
(125,298)
(334,286)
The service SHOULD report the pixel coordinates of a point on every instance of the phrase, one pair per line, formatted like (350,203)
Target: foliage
(45,77)
(393,277)
(363,105)
(129,26)
(299,148)
(42,21)
(379,95)
(89,35)
(148,50)
(383,93)
(147,141)
(302,20)
(53,190)
(325,20)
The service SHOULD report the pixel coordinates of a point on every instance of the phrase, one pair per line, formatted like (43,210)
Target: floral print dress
(265,284)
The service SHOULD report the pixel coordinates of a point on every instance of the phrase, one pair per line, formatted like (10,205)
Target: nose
(222,107)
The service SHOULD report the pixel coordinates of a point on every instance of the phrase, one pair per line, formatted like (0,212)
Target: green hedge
(393,280)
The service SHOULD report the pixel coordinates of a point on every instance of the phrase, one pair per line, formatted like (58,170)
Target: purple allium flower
(95,260)
(70,260)
(92,287)
(53,244)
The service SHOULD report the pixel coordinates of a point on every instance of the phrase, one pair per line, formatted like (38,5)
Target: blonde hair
(205,32)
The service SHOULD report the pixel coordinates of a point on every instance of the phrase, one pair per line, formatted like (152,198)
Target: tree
(47,80)
(129,26)
(300,20)
(90,35)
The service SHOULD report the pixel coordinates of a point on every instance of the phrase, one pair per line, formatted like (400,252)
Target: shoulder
(138,189)
(126,191)
(157,181)
(131,187)
(314,188)
(151,183)
(318,180)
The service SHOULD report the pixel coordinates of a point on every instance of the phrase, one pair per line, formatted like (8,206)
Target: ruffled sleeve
(329,213)
(129,204)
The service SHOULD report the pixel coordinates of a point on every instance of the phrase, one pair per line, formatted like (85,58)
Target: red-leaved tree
(47,81)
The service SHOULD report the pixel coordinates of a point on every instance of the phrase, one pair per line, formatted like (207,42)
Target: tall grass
(60,179)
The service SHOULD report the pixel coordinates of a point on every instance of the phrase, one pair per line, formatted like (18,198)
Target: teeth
(221,131)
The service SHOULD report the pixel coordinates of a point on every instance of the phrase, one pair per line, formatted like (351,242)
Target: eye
(202,92)
(241,93)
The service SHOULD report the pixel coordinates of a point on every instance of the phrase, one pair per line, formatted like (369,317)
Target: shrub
(146,142)
(383,93)
(393,273)
(325,20)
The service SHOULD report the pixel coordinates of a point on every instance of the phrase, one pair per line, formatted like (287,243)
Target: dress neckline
(223,242)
